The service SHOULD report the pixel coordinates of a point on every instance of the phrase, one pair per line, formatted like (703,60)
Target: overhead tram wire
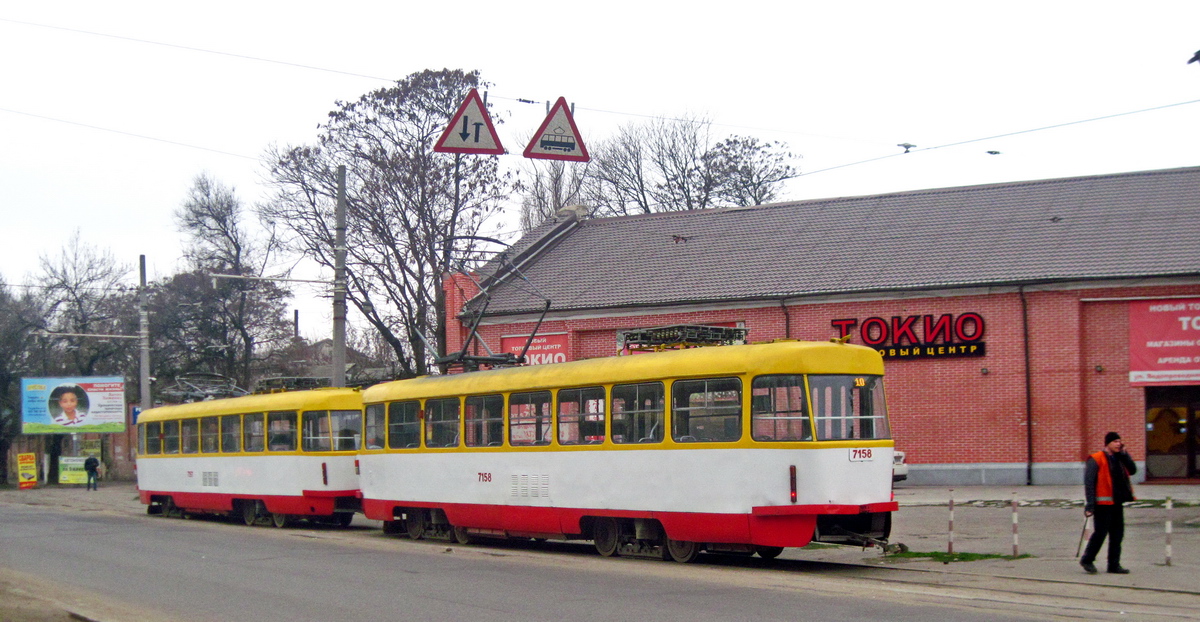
(998,136)
(515,99)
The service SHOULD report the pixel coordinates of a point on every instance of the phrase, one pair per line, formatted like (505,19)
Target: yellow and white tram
(277,456)
(732,448)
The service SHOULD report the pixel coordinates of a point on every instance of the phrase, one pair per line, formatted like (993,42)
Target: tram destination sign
(919,336)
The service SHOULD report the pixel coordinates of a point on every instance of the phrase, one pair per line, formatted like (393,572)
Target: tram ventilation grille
(208,478)
(530,485)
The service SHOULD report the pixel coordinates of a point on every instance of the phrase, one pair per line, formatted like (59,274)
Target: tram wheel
(250,513)
(461,536)
(768,552)
(414,524)
(683,551)
(605,536)
(344,519)
(170,510)
(280,520)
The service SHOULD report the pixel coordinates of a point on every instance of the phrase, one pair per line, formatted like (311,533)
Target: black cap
(1110,437)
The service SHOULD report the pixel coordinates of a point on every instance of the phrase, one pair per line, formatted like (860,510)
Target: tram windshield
(848,407)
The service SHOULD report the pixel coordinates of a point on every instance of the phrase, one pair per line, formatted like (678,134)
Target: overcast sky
(108,110)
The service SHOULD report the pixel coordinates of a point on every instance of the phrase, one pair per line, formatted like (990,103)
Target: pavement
(1049,524)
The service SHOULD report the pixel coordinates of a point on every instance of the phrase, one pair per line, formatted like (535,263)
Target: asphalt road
(156,569)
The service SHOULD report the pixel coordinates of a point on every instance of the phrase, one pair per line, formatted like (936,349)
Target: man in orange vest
(1107,486)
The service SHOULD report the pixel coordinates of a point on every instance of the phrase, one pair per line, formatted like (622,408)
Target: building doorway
(1172,432)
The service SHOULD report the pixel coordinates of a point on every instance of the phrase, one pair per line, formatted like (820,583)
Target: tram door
(1172,432)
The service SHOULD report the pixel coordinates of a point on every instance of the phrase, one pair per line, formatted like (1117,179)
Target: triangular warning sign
(470,130)
(558,138)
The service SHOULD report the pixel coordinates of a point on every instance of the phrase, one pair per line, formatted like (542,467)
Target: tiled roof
(1143,224)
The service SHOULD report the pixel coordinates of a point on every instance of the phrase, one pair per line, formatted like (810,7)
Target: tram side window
(581,416)
(849,407)
(404,425)
(778,409)
(255,430)
(441,423)
(231,433)
(154,438)
(314,430)
(347,429)
(210,436)
(637,412)
(529,421)
(189,432)
(484,418)
(374,426)
(706,410)
(170,437)
(281,431)
(141,440)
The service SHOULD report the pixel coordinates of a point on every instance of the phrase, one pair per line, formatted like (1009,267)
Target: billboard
(1164,342)
(545,347)
(72,405)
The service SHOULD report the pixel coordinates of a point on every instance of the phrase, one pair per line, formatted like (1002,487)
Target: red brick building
(1005,312)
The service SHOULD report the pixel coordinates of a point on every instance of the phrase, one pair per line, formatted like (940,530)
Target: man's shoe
(1118,570)
(1088,567)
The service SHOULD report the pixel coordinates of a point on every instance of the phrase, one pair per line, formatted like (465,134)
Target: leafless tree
(551,186)
(411,211)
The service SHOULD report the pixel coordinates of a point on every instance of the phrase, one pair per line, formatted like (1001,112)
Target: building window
(706,410)
(529,420)
(778,409)
(637,412)
(581,416)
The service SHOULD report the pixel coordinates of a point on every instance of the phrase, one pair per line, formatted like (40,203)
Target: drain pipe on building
(1028,389)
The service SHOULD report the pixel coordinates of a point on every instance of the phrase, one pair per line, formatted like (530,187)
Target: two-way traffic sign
(470,130)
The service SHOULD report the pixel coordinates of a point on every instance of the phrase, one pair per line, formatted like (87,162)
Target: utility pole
(144,338)
(338,374)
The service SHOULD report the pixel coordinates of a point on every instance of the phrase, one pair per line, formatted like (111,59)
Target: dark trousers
(1109,520)
(93,480)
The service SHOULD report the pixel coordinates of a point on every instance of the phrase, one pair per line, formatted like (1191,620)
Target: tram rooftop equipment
(678,337)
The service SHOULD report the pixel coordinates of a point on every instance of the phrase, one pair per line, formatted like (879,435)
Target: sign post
(27,470)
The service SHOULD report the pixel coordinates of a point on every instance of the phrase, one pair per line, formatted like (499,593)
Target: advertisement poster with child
(71,405)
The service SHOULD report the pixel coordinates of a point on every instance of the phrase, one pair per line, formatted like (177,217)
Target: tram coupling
(867,541)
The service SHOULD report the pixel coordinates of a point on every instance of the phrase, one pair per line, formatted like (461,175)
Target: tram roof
(316,399)
(766,358)
(1115,226)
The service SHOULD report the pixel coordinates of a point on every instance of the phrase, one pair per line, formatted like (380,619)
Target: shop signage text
(919,336)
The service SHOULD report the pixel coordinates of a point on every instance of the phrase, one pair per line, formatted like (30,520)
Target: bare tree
(84,293)
(669,165)
(552,185)
(749,171)
(230,325)
(20,316)
(410,213)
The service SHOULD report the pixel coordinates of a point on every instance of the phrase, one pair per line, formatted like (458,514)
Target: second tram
(273,457)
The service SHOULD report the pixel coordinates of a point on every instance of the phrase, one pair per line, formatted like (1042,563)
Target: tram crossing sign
(558,137)
(470,130)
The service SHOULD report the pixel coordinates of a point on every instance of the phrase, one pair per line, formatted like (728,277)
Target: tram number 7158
(861,454)
(485,477)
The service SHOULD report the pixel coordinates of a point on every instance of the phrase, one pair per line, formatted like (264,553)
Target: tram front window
(849,407)
(778,409)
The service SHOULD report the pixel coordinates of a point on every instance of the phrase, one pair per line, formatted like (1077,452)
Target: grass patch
(945,558)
